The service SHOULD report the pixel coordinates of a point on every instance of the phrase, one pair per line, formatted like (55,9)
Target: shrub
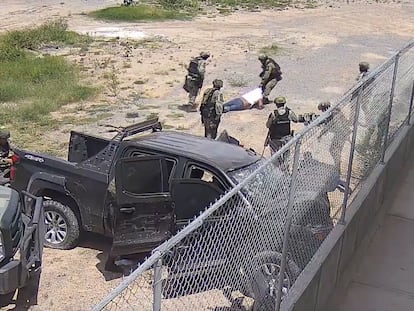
(36,86)
(137,13)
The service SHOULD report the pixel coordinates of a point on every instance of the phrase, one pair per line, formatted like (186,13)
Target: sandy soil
(320,50)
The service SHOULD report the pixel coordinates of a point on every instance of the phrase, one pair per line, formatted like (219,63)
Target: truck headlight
(1,247)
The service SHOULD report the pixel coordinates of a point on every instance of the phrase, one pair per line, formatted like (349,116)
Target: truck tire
(6,299)
(265,279)
(62,226)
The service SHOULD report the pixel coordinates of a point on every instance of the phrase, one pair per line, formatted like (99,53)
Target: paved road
(385,277)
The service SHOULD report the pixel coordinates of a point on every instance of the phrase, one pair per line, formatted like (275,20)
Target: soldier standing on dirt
(363,73)
(375,122)
(195,78)
(340,128)
(363,70)
(211,109)
(278,124)
(270,75)
(7,158)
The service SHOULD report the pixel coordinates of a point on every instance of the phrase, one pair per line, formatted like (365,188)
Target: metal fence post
(387,129)
(157,286)
(351,154)
(288,222)
(410,109)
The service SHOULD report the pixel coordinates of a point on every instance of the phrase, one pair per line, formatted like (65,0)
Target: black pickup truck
(138,187)
(138,190)
(144,184)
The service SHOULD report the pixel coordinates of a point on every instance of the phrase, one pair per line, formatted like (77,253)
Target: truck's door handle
(127,210)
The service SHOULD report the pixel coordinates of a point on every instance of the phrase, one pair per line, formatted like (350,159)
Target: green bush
(37,85)
(272,49)
(51,32)
(10,53)
(176,9)
(250,3)
(138,13)
(180,4)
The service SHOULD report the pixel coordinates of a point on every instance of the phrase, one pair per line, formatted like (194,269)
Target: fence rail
(247,249)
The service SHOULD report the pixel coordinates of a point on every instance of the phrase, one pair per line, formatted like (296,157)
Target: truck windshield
(270,178)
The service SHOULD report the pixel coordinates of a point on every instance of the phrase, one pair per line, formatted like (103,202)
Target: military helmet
(4,134)
(324,106)
(280,100)
(218,83)
(204,55)
(363,66)
(262,57)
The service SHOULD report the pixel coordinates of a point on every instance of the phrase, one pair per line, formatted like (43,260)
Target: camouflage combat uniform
(195,78)
(337,124)
(375,119)
(363,70)
(278,123)
(7,157)
(270,75)
(211,109)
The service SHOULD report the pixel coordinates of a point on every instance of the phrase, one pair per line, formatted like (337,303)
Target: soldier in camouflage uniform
(270,75)
(363,70)
(375,120)
(7,157)
(278,123)
(211,109)
(339,126)
(195,78)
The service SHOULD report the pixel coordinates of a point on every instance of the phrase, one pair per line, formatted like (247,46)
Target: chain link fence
(246,250)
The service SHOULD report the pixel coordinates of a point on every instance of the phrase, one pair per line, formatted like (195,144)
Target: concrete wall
(326,277)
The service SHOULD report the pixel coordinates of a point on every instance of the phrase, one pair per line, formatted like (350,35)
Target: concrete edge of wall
(324,279)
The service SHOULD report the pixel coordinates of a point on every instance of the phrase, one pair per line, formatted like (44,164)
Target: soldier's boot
(193,108)
(265,100)
(191,100)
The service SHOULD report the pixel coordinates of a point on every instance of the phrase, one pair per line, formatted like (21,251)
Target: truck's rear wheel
(62,226)
(6,299)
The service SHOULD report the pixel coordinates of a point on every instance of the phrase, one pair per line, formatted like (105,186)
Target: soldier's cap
(262,57)
(205,54)
(218,83)
(364,65)
(324,105)
(4,134)
(280,100)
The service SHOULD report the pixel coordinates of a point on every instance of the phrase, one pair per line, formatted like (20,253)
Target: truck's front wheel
(62,226)
(6,299)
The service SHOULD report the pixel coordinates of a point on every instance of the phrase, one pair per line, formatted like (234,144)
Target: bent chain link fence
(246,250)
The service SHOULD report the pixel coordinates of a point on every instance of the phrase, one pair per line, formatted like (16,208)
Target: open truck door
(22,231)
(143,213)
(192,196)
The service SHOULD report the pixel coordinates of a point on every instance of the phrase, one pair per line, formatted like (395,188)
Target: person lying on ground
(251,99)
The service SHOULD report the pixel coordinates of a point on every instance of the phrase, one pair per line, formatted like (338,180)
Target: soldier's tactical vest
(276,73)
(280,126)
(208,109)
(193,67)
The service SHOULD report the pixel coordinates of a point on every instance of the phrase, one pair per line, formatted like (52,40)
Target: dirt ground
(319,50)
